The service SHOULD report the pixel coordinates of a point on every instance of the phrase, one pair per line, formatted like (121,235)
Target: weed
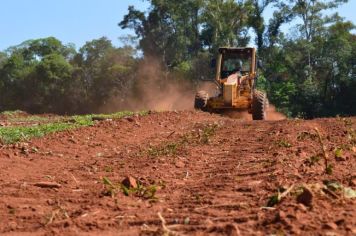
(306,135)
(278,197)
(110,188)
(338,153)
(58,212)
(207,132)
(347,122)
(146,192)
(329,169)
(12,113)
(313,160)
(334,186)
(108,169)
(200,136)
(283,143)
(325,155)
(351,133)
(169,149)
(273,200)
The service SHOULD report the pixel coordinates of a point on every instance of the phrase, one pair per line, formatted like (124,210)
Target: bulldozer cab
(233,60)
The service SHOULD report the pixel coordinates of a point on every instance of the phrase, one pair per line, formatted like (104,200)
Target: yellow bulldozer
(236,80)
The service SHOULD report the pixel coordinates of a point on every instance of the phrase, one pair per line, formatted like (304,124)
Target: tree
(103,70)
(256,19)
(282,15)
(3,58)
(224,24)
(170,31)
(34,75)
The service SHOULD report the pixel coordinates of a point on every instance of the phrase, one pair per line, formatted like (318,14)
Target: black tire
(201,100)
(259,106)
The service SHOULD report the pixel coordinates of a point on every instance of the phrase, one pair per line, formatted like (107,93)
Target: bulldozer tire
(259,106)
(201,100)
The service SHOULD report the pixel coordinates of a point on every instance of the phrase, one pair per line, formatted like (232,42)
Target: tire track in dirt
(216,186)
(225,184)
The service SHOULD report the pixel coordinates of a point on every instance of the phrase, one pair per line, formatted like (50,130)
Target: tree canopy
(309,70)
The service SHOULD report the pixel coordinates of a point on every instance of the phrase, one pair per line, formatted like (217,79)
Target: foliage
(308,71)
(44,75)
(311,73)
(141,191)
(13,134)
(201,135)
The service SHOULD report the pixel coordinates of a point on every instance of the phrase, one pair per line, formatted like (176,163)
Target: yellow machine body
(236,85)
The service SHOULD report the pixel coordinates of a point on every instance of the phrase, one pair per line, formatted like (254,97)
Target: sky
(78,21)
(71,21)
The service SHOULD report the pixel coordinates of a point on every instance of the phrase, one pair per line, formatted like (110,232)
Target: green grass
(11,113)
(21,133)
(35,119)
(170,149)
(13,134)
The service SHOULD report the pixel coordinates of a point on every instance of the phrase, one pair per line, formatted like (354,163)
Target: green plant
(306,135)
(207,132)
(351,133)
(11,113)
(284,143)
(329,169)
(22,133)
(338,153)
(325,155)
(198,136)
(169,149)
(13,134)
(110,188)
(336,187)
(278,197)
(313,160)
(108,169)
(141,191)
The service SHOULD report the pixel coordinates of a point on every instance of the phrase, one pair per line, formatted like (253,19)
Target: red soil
(208,182)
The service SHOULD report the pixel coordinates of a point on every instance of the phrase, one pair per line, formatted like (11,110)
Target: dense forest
(309,70)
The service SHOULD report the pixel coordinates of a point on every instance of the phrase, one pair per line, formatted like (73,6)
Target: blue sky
(77,21)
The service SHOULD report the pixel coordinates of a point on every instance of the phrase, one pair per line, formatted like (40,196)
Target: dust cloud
(154,89)
(273,114)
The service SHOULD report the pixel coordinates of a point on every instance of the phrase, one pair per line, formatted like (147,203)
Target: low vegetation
(12,134)
(142,191)
(200,135)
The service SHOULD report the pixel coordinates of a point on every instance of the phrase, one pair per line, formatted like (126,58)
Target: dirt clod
(219,187)
(227,229)
(306,197)
(281,216)
(47,185)
(180,164)
(130,119)
(341,158)
(129,182)
(330,225)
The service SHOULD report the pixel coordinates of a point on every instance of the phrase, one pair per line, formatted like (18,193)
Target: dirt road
(198,174)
